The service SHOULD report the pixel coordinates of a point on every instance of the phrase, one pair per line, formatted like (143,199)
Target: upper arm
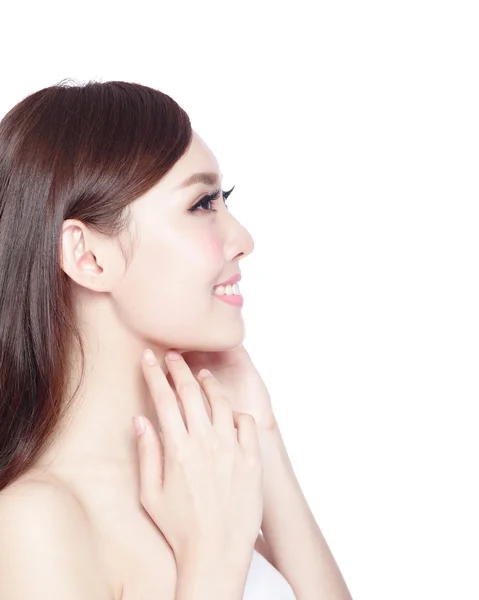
(46,550)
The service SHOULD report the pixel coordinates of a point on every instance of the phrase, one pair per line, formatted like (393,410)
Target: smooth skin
(161,299)
(202,485)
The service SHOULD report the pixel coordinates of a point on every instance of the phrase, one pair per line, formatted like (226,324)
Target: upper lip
(231,280)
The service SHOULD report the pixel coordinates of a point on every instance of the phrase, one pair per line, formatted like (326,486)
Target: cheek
(213,252)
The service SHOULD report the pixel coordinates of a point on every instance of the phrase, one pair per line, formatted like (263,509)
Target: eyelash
(211,198)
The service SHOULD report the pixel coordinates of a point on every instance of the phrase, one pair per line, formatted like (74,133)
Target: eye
(209,200)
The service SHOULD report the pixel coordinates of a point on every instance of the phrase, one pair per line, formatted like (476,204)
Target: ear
(88,257)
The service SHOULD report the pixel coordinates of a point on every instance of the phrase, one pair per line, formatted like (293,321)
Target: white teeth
(228,290)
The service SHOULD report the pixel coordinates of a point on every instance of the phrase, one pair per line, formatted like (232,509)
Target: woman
(114,238)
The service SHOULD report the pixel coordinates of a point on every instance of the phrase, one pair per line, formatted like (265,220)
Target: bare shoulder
(47,550)
(39,503)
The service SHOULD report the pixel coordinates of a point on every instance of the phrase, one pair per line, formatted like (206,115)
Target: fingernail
(204,373)
(139,425)
(172,355)
(149,357)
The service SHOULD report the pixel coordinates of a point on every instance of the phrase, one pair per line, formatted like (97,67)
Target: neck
(97,431)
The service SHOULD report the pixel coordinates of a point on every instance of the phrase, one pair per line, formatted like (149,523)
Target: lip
(231,280)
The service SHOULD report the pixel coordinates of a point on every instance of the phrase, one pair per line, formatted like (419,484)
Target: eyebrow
(208,178)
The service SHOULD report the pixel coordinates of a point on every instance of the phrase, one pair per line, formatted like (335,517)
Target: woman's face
(166,295)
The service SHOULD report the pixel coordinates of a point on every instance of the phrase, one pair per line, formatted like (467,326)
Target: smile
(228,290)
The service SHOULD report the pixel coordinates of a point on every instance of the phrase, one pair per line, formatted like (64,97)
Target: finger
(189,391)
(150,456)
(221,413)
(170,420)
(180,405)
(247,432)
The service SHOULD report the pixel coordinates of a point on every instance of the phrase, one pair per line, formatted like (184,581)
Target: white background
(351,131)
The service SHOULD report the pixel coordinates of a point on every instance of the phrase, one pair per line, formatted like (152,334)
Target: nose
(238,240)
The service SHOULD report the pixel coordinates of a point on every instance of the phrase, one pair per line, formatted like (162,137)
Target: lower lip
(233,299)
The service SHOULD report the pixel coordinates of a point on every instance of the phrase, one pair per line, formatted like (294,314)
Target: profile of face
(164,296)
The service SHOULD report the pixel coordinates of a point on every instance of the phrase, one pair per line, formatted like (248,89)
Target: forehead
(198,158)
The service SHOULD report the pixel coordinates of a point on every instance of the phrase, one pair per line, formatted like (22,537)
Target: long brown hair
(69,151)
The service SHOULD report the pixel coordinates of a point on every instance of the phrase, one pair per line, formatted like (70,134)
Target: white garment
(264,582)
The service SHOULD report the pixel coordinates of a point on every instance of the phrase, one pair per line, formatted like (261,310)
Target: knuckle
(221,444)
(209,446)
(206,439)
(219,398)
(213,446)
(187,387)
(160,396)
(253,461)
